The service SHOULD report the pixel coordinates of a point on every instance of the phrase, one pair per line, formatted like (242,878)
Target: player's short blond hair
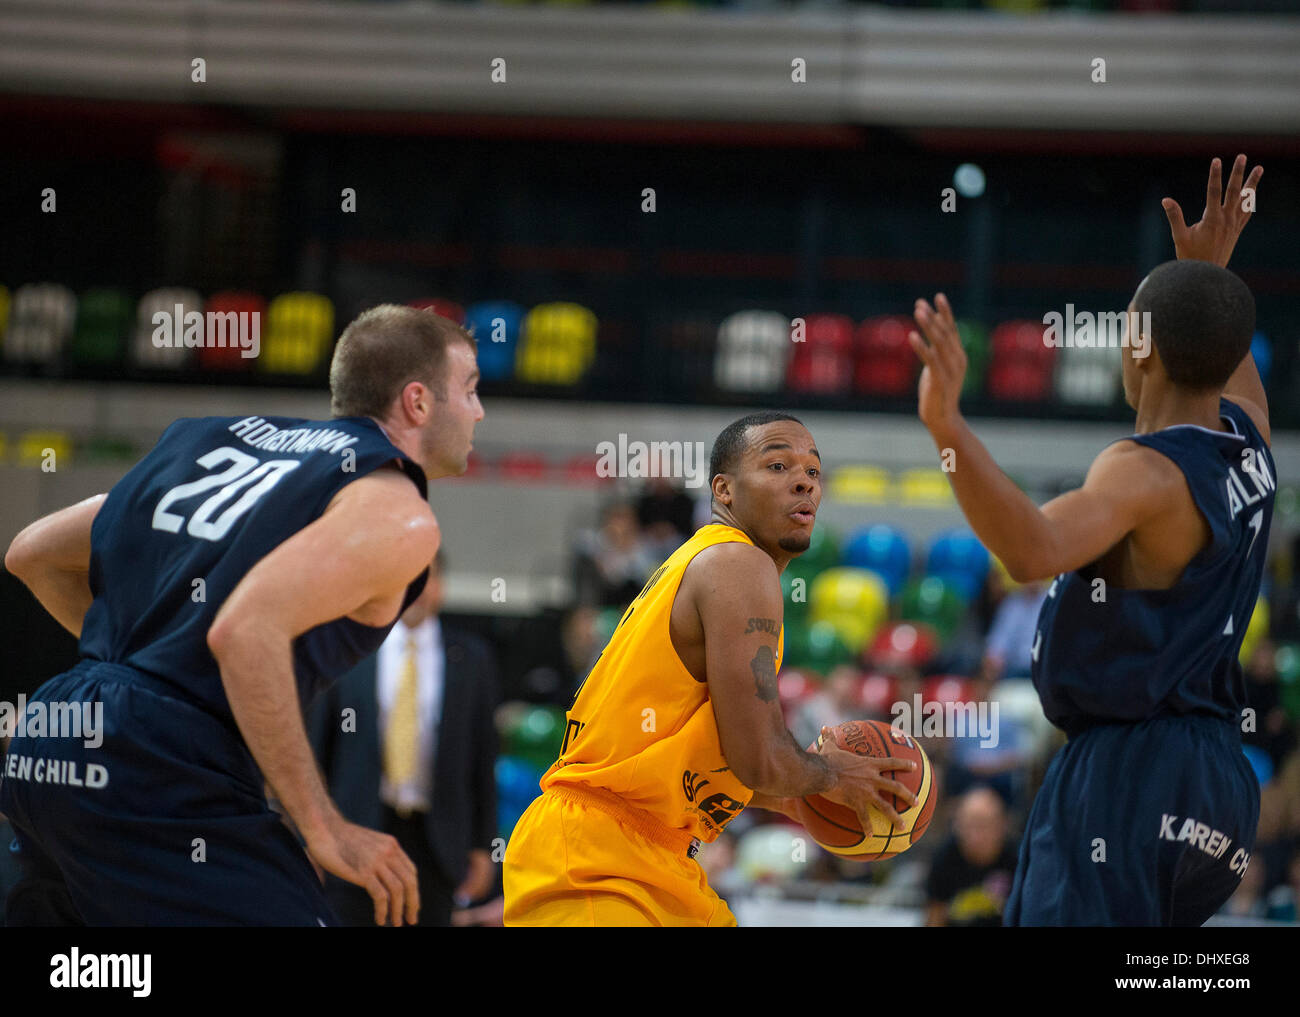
(383,350)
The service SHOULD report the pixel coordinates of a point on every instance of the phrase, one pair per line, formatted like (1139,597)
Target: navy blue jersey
(1140,654)
(176,535)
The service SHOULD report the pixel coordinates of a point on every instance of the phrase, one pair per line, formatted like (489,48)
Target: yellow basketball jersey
(642,727)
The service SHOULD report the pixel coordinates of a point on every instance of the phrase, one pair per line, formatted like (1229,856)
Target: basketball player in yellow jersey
(677,727)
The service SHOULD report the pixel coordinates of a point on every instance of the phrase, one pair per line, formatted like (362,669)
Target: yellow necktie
(403,723)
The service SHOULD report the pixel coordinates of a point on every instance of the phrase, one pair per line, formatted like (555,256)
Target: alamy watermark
(934,719)
(240,330)
(684,460)
(53,720)
(1092,330)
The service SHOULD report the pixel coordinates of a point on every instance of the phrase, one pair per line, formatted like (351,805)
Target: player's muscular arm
(52,557)
(359,555)
(736,592)
(1124,486)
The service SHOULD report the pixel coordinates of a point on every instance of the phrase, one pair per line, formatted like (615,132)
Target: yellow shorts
(574,860)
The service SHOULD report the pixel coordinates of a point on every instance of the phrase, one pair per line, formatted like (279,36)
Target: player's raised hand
(1225,216)
(945,361)
(374,861)
(861,783)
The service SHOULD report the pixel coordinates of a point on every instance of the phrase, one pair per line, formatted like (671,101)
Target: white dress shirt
(417,793)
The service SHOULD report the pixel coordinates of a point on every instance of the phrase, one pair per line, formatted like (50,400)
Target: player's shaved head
(1202,320)
(731,443)
(383,350)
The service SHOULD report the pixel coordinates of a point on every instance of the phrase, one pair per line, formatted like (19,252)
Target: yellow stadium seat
(557,344)
(855,602)
(861,485)
(299,334)
(48,450)
(1256,629)
(925,488)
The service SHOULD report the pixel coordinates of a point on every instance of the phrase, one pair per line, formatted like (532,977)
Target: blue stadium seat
(885,551)
(496,325)
(959,557)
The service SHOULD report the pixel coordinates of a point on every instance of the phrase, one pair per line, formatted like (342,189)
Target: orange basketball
(836,828)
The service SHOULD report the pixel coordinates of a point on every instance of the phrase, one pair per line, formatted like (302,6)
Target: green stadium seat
(816,646)
(103,321)
(935,602)
(975,341)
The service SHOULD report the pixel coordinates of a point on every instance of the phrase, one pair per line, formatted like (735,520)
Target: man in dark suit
(407,744)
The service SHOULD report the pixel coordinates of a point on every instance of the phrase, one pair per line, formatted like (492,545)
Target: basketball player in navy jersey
(1147,815)
(238,568)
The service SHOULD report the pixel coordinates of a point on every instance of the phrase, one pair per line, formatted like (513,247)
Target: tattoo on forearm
(764,667)
(762,625)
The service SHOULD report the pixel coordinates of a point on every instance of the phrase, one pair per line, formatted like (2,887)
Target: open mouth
(803,515)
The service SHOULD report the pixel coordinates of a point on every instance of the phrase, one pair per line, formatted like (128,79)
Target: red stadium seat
(947,688)
(823,362)
(1019,381)
(886,366)
(446,308)
(1021,338)
(1022,364)
(522,466)
(581,469)
(230,358)
(878,694)
(904,644)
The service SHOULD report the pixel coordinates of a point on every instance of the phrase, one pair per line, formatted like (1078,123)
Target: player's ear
(722,489)
(1142,351)
(417,401)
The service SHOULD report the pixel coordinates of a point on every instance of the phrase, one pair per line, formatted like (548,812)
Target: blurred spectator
(1248,900)
(556,678)
(835,703)
(1279,821)
(429,779)
(718,860)
(1271,730)
(997,757)
(10,871)
(612,563)
(666,514)
(1283,904)
(971,875)
(1007,651)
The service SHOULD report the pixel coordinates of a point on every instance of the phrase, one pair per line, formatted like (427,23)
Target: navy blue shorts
(1138,824)
(164,823)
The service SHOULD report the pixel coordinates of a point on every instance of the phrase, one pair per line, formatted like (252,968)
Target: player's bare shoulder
(386,496)
(722,583)
(729,570)
(1137,472)
(387,511)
